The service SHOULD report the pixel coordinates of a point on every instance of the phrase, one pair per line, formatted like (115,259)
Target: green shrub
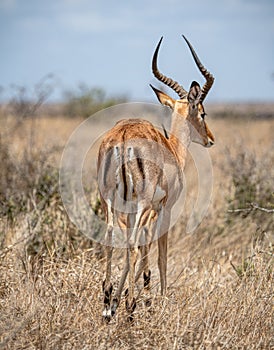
(86,101)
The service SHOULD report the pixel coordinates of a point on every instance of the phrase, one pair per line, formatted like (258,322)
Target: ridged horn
(208,76)
(167,81)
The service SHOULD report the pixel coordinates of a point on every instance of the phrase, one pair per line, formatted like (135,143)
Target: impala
(148,186)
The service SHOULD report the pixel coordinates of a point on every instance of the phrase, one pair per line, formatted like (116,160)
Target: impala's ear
(194,94)
(163,98)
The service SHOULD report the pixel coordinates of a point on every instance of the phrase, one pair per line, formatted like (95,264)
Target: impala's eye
(203,115)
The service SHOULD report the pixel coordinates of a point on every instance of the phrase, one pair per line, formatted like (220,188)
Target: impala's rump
(130,163)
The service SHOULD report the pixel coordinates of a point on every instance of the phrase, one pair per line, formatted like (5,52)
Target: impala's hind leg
(107,286)
(134,235)
(148,235)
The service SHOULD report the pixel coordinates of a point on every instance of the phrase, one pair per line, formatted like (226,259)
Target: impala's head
(190,105)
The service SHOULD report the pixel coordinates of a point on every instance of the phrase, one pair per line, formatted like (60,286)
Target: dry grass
(220,277)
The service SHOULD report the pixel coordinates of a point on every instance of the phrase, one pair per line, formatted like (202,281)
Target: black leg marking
(147,287)
(107,312)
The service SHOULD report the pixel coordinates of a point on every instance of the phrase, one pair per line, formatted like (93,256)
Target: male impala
(147,187)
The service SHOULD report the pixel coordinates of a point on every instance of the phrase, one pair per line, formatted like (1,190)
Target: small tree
(86,101)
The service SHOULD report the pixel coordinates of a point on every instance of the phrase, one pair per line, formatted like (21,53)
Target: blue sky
(110,44)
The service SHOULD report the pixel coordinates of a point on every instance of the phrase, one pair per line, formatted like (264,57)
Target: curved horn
(169,82)
(209,77)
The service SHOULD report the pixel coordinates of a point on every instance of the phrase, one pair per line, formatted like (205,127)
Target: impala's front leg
(107,285)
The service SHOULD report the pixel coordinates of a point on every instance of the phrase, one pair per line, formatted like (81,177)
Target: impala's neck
(180,136)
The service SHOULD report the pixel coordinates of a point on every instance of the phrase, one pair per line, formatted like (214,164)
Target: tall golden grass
(220,278)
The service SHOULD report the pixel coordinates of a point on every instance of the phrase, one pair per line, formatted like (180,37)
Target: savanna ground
(220,278)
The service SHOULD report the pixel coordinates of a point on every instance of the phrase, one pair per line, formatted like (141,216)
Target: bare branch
(239,210)
(252,207)
(266,210)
